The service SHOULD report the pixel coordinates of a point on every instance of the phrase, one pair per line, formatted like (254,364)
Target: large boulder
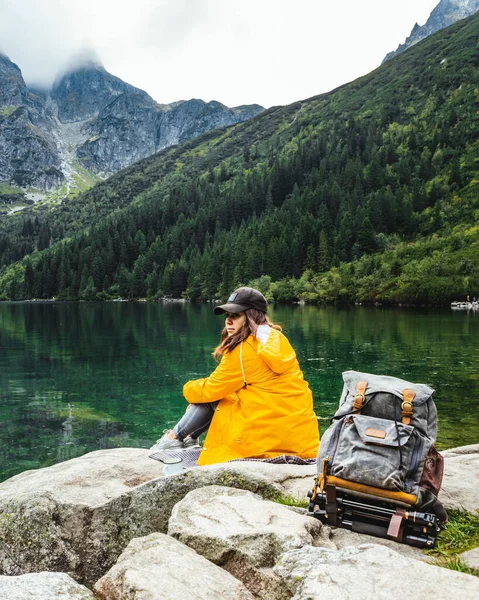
(368,571)
(460,486)
(79,515)
(42,586)
(243,533)
(46,515)
(159,567)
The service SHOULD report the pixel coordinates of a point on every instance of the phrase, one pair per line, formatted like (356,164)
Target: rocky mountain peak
(13,91)
(83,91)
(444,14)
(93,122)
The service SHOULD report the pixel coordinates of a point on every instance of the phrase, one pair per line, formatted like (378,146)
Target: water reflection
(79,377)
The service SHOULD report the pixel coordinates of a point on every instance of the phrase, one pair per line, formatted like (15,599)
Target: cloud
(168,26)
(253,51)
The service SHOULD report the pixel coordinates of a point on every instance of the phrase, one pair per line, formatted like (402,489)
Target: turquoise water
(79,377)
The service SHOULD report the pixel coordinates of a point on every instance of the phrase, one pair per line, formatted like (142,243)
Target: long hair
(254,318)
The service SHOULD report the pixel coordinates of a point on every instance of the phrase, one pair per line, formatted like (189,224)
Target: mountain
(28,154)
(88,126)
(446,13)
(368,193)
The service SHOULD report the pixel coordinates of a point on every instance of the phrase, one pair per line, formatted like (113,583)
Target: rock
(27,155)
(91,479)
(79,515)
(46,515)
(13,91)
(242,533)
(471,558)
(147,508)
(296,481)
(444,14)
(341,538)
(159,567)
(460,486)
(42,586)
(368,571)
(82,92)
(133,126)
(470,449)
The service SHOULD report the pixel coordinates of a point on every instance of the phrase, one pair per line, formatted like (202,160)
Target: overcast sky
(267,52)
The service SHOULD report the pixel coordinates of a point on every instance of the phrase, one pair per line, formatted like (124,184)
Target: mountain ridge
(89,125)
(444,14)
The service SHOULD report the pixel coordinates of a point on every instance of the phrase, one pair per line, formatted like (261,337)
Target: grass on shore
(290,500)
(461,533)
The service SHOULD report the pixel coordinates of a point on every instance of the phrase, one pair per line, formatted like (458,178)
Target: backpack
(380,449)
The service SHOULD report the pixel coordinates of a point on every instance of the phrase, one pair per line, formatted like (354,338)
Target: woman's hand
(262,333)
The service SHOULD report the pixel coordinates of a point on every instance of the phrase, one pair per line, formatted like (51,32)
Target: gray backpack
(381,443)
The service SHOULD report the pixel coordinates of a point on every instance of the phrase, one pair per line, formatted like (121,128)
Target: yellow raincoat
(269,416)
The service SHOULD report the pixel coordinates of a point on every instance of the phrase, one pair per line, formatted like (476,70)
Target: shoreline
(455,306)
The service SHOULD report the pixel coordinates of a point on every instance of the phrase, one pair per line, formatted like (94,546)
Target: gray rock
(159,567)
(28,156)
(88,480)
(78,516)
(368,571)
(471,558)
(242,533)
(444,14)
(341,538)
(46,515)
(460,486)
(133,126)
(470,449)
(13,91)
(81,93)
(296,481)
(43,586)
(28,153)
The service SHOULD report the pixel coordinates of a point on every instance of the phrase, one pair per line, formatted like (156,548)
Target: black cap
(242,299)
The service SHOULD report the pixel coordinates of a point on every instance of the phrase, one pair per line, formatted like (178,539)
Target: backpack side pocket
(433,471)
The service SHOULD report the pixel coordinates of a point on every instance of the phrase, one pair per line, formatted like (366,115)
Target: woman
(256,404)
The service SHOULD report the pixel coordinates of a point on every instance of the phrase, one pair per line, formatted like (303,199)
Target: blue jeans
(196,420)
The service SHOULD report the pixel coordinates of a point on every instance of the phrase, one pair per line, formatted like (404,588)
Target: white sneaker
(164,443)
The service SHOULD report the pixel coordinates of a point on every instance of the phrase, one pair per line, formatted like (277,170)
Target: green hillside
(367,193)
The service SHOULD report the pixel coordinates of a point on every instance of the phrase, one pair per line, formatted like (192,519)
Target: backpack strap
(359,397)
(406,406)
(394,529)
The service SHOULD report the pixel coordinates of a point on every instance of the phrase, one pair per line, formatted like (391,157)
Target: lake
(77,377)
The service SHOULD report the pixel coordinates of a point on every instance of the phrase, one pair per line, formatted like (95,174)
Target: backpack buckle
(406,410)
(359,396)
